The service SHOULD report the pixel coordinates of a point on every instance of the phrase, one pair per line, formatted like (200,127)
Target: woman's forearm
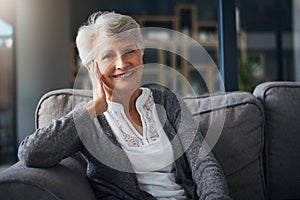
(47,146)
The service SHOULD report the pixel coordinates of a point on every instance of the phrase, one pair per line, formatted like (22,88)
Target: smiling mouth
(124,75)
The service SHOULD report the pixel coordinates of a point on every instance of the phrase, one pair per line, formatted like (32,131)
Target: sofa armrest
(65,181)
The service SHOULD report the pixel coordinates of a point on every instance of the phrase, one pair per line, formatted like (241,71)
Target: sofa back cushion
(238,149)
(281,101)
(58,103)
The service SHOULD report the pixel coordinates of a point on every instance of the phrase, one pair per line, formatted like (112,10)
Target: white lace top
(151,153)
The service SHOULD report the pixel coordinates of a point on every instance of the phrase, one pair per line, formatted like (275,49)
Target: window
(272,36)
(7,134)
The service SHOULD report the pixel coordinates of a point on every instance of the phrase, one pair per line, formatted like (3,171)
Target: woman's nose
(121,62)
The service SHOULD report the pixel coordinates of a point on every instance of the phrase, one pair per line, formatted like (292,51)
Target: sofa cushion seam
(229,106)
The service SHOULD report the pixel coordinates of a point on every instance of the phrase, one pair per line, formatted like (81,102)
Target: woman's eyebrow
(105,51)
(130,46)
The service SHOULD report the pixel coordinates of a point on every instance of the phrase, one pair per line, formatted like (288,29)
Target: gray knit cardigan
(201,177)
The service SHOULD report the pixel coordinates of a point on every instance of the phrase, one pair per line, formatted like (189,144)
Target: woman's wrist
(95,108)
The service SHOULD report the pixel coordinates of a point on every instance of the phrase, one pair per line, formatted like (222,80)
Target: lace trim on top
(147,113)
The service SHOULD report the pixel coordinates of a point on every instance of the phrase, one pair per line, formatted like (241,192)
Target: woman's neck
(127,99)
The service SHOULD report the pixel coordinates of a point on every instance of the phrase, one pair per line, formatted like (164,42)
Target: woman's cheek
(104,69)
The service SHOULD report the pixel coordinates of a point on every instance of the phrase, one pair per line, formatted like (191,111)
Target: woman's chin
(125,87)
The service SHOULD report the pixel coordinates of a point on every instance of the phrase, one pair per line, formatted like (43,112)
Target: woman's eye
(128,51)
(108,56)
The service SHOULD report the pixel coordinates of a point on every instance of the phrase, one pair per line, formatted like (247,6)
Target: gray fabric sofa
(258,146)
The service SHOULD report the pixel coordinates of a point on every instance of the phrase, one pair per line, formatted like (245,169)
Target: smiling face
(120,63)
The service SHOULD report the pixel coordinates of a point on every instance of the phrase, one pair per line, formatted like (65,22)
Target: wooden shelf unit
(204,33)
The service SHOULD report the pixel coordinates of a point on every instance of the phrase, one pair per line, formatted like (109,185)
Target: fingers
(94,72)
(93,67)
(97,79)
(99,104)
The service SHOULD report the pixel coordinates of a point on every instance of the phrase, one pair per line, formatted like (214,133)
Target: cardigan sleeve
(47,146)
(206,171)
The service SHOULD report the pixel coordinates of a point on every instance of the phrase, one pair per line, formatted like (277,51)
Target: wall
(42,55)
(7,10)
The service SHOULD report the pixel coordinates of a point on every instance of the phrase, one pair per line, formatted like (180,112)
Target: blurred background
(38,54)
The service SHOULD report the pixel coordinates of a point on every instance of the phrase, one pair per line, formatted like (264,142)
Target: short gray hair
(107,25)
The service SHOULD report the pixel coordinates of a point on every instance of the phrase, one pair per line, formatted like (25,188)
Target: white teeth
(124,75)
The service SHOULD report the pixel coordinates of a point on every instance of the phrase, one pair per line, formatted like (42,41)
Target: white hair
(107,25)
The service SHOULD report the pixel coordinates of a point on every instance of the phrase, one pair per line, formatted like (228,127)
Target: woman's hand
(99,104)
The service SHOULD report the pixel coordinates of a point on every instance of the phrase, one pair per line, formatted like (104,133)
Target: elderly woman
(139,143)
